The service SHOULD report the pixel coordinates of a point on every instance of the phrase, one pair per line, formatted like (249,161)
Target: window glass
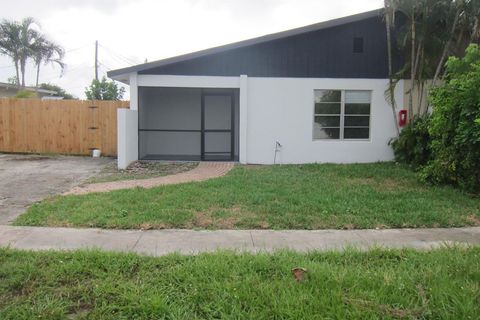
(327,121)
(327,108)
(356,133)
(326,133)
(328,96)
(357,121)
(356,96)
(361,108)
(342,118)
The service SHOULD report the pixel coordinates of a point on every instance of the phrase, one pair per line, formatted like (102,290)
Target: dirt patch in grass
(225,218)
(203,220)
(474,219)
(383,185)
(154,226)
(218,218)
(141,170)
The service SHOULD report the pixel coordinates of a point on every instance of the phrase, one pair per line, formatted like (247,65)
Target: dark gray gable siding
(326,53)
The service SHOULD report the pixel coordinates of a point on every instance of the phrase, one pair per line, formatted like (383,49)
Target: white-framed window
(342,114)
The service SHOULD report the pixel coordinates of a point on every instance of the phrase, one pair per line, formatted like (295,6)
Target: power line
(66,70)
(78,48)
(125,58)
(59,77)
(104,65)
(118,60)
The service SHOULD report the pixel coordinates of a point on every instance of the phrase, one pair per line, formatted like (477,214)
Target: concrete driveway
(25,179)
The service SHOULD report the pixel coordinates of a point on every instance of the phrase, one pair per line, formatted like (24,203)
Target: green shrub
(455,125)
(412,147)
(25,94)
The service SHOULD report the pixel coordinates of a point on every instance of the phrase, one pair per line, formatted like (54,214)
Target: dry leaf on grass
(299,273)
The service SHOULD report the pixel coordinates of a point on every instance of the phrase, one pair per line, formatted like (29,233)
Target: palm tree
(448,44)
(10,43)
(389,23)
(44,52)
(22,41)
(27,38)
(430,33)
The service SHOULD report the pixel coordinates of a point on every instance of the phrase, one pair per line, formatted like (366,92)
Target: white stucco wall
(127,137)
(133,91)
(243,123)
(281,109)
(187,81)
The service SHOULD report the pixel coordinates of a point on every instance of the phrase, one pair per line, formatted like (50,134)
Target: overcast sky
(130,31)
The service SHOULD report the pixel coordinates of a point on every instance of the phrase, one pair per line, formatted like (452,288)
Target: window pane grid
(358,103)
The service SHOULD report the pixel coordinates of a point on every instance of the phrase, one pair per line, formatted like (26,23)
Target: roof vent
(357,45)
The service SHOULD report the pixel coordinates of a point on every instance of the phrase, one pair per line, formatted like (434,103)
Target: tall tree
(22,41)
(10,43)
(389,22)
(27,38)
(44,52)
(432,30)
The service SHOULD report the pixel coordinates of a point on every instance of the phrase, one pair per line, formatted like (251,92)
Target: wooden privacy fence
(59,126)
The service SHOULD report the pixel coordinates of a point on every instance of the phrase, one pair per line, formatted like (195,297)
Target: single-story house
(8,90)
(312,94)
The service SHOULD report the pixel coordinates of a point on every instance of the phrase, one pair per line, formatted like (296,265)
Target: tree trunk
(38,75)
(417,75)
(421,85)
(412,69)
(22,69)
(421,88)
(446,49)
(390,68)
(17,73)
(476,30)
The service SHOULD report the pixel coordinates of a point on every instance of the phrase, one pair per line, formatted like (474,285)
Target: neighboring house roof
(8,86)
(156,67)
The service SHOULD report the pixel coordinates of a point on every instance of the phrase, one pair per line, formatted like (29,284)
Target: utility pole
(96,60)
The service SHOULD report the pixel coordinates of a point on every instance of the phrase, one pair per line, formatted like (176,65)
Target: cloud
(131,30)
(20,8)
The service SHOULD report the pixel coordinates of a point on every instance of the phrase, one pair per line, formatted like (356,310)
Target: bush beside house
(455,125)
(446,146)
(413,144)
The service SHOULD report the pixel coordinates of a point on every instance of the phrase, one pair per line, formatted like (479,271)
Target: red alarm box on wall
(402,118)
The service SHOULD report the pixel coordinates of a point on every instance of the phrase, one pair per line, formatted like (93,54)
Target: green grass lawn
(278,197)
(379,284)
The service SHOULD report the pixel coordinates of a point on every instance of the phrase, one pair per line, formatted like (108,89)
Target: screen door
(217,127)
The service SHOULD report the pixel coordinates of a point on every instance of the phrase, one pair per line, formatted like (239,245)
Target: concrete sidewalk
(160,242)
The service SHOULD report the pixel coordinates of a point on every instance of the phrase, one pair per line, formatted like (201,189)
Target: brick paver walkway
(204,171)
